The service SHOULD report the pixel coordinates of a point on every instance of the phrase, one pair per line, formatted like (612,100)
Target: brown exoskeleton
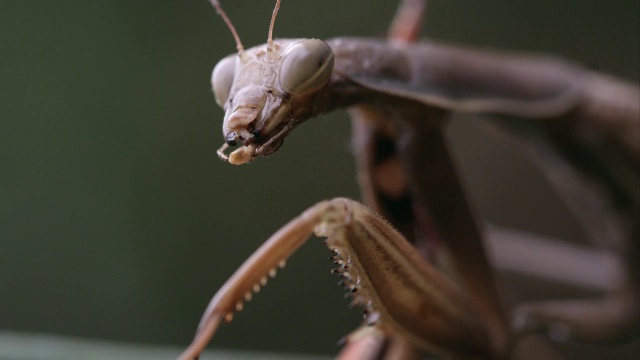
(423,277)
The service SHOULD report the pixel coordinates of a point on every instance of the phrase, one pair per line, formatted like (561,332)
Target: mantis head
(261,91)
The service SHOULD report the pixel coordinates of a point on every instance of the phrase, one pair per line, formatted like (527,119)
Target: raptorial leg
(402,295)
(442,221)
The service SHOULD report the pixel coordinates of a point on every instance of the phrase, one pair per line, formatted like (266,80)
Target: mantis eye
(306,66)
(222,79)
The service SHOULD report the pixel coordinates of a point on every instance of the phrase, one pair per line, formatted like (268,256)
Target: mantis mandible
(422,275)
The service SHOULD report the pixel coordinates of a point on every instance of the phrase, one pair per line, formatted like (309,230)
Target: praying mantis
(422,275)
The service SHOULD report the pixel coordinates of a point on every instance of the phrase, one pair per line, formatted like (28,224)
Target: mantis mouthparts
(239,156)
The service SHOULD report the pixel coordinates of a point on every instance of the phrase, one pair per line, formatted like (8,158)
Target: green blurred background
(118,221)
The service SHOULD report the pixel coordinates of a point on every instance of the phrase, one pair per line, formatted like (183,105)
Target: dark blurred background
(118,221)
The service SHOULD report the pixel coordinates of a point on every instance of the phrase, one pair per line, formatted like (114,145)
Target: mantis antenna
(273,19)
(224,16)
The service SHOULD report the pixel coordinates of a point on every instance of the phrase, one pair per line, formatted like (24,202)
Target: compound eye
(306,66)
(222,79)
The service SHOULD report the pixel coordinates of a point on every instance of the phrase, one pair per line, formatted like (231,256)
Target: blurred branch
(33,346)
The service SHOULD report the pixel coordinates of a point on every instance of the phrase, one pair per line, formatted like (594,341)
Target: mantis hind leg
(610,318)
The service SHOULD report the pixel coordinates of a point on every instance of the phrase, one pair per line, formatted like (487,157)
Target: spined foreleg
(402,295)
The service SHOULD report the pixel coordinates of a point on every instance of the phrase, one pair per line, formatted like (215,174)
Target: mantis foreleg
(401,294)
